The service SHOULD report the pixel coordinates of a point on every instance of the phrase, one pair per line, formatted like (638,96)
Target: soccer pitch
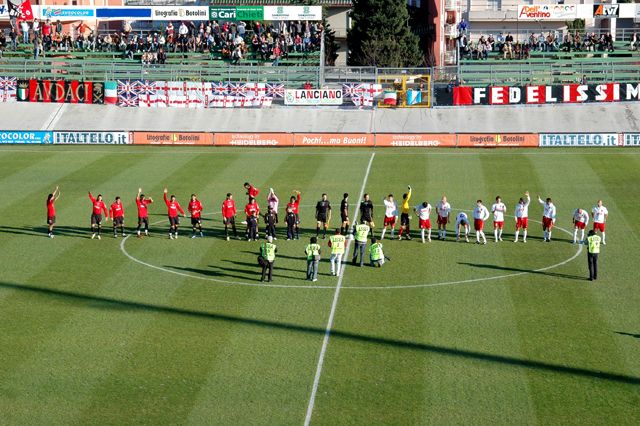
(161,331)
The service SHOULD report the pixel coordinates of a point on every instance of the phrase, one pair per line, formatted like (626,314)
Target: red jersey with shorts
(98,206)
(116,210)
(142,208)
(228,209)
(173,207)
(195,208)
(51,210)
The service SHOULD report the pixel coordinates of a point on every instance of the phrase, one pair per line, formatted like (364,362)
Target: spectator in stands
(37,47)
(3,42)
(577,42)
(236,55)
(583,80)
(24,27)
(500,42)
(36,28)
(277,53)
(609,43)
(58,28)
(551,43)
(463,26)
(634,42)
(13,36)
(162,55)
(491,43)
(126,28)
(507,49)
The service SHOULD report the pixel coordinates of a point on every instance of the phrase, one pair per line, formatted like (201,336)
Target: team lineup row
(252,211)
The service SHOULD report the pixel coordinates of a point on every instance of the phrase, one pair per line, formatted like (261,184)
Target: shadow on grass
(528,271)
(622,333)
(117,304)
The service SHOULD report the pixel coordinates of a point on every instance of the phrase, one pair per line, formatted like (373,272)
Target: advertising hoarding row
(408,140)
(568,12)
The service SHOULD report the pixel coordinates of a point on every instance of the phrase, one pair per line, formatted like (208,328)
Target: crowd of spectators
(553,41)
(229,40)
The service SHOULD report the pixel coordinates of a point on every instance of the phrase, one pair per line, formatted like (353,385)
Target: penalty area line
(332,312)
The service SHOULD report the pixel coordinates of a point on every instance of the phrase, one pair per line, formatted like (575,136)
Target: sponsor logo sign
(578,139)
(313,97)
(222,13)
(606,10)
(286,13)
(61,12)
(631,139)
(253,139)
(249,13)
(171,138)
(333,139)
(169,13)
(91,138)
(497,140)
(25,137)
(123,12)
(549,12)
(60,91)
(416,140)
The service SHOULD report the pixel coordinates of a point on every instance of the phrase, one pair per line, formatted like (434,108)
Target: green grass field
(182,332)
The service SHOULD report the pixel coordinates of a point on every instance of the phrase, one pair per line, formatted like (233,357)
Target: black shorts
(344,218)
(51,220)
(229,220)
(144,220)
(366,219)
(322,218)
(404,219)
(196,221)
(96,219)
(118,221)
(174,221)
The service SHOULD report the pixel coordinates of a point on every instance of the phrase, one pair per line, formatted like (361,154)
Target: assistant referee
(593,249)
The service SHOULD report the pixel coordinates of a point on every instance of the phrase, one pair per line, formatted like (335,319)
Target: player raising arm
(143,214)
(405,219)
(390,215)
(51,210)
(548,217)
(443,209)
(480,214)
(173,207)
(600,216)
(323,215)
(580,221)
(423,211)
(98,206)
(195,209)
(116,213)
(498,209)
(273,202)
(229,215)
(462,220)
(522,217)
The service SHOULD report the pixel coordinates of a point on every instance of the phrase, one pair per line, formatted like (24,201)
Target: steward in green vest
(337,243)
(313,259)
(361,233)
(593,250)
(267,257)
(376,256)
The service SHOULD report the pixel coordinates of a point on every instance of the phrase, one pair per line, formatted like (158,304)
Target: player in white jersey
(390,215)
(462,220)
(480,214)
(600,215)
(580,221)
(423,211)
(522,217)
(443,209)
(548,217)
(498,209)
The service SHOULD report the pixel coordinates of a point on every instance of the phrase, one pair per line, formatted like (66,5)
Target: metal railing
(523,34)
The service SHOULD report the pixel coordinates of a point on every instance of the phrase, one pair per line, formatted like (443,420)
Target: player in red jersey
(195,208)
(229,215)
(98,206)
(173,207)
(143,215)
(252,210)
(294,205)
(116,213)
(51,210)
(252,191)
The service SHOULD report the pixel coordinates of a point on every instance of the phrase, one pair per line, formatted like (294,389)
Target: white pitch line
(336,295)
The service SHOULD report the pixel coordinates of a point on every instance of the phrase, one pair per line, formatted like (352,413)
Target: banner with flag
(20,10)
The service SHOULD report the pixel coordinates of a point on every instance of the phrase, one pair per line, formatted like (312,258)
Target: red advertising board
(415,139)
(253,139)
(497,140)
(333,139)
